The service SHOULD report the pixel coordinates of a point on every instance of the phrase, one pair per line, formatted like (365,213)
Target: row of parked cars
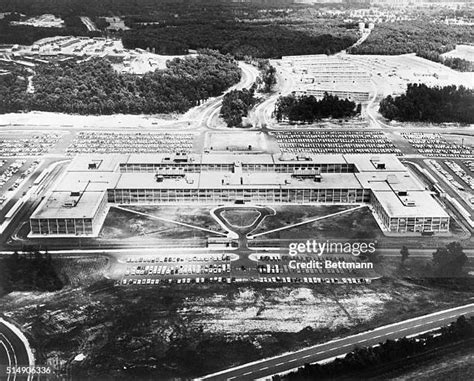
(8,173)
(31,146)
(335,142)
(315,280)
(179,258)
(153,281)
(284,269)
(449,177)
(458,170)
(112,142)
(308,280)
(435,145)
(178,270)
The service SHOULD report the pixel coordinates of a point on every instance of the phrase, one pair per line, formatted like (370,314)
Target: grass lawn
(121,224)
(241,217)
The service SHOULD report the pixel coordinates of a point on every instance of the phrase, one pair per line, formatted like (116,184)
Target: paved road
(341,346)
(13,351)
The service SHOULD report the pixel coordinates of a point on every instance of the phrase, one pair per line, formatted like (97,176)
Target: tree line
(447,262)
(236,38)
(236,105)
(30,271)
(174,27)
(307,108)
(361,360)
(426,39)
(414,37)
(421,103)
(455,63)
(94,87)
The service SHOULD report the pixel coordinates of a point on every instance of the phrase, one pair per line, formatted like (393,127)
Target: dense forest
(101,8)
(236,105)
(93,87)
(13,96)
(307,108)
(31,271)
(359,362)
(421,103)
(421,37)
(173,28)
(238,39)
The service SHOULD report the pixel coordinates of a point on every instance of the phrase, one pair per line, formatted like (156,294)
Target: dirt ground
(190,330)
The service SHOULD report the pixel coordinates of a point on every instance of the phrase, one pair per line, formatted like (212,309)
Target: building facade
(79,203)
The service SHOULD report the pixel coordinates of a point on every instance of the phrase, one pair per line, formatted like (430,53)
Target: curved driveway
(14,351)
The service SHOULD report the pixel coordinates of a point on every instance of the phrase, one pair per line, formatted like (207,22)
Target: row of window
(197,168)
(77,226)
(127,196)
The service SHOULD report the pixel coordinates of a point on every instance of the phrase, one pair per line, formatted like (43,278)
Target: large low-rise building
(79,202)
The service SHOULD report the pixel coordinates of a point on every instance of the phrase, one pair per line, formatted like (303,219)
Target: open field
(249,141)
(462,51)
(392,74)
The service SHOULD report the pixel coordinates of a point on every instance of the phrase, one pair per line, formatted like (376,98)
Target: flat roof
(223,180)
(244,158)
(424,204)
(366,162)
(89,181)
(53,206)
(290,158)
(158,158)
(398,181)
(103,162)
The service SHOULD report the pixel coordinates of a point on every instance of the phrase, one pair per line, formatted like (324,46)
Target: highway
(338,347)
(14,351)
(204,114)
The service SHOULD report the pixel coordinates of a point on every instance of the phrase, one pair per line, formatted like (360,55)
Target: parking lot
(12,175)
(277,268)
(432,145)
(32,145)
(335,142)
(222,268)
(175,269)
(458,175)
(112,142)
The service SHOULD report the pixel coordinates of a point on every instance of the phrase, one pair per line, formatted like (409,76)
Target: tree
(404,253)
(235,106)
(307,108)
(94,87)
(269,78)
(449,261)
(431,104)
